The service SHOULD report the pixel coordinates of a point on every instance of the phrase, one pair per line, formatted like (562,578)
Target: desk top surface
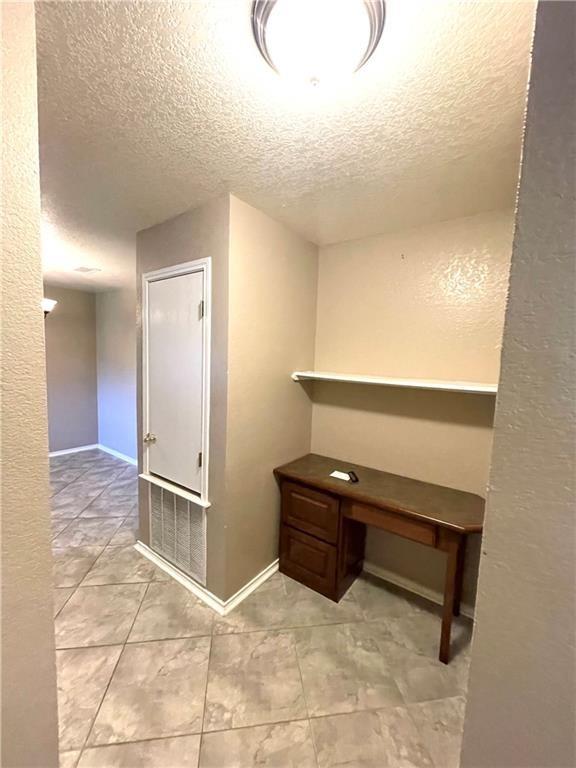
(458,510)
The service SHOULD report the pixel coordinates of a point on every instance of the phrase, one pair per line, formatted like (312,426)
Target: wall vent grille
(178,532)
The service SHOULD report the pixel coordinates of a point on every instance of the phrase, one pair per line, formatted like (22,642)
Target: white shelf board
(472,387)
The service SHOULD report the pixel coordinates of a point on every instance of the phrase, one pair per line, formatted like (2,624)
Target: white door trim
(204,266)
(175,489)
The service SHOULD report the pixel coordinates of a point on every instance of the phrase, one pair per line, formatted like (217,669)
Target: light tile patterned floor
(149,676)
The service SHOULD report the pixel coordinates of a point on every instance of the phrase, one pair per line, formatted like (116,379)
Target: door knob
(149,438)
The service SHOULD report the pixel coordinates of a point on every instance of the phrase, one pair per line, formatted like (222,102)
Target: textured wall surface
(427,303)
(29,714)
(263,316)
(116,364)
(71,369)
(521,703)
(197,234)
(272,288)
(173,105)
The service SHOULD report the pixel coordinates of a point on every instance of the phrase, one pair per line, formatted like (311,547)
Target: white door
(175,378)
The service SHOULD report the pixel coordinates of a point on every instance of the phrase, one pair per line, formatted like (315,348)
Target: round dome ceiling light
(317,41)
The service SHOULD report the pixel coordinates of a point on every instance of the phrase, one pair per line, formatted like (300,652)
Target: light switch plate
(340,475)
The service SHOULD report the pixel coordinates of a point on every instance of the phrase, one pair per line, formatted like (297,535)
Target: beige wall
(272,285)
(29,714)
(71,369)
(263,317)
(446,283)
(425,303)
(521,703)
(197,234)
(116,366)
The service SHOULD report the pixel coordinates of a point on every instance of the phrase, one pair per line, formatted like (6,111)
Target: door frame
(189,267)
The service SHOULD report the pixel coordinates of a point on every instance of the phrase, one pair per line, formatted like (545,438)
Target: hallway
(379,196)
(150,676)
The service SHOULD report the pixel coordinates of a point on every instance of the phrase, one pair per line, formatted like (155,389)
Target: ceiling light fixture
(48,305)
(316,41)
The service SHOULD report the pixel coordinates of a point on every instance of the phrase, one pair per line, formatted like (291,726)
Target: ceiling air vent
(87,270)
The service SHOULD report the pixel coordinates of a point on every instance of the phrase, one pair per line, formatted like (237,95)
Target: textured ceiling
(150,108)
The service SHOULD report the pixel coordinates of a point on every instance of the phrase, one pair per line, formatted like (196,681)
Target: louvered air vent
(178,532)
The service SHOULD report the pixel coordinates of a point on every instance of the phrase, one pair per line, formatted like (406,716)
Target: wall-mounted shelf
(471,387)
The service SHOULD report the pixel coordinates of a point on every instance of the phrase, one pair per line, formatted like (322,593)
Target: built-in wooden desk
(324,525)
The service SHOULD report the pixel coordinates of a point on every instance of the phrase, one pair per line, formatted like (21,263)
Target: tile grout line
(52,519)
(76,479)
(313,740)
(89,732)
(56,545)
(70,482)
(295,648)
(81,475)
(64,603)
(141,741)
(113,583)
(285,590)
(293,629)
(206,691)
(116,584)
(75,519)
(78,586)
(134,642)
(306,719)
(204,733)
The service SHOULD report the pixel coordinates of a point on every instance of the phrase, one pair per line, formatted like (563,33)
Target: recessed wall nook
(425,303)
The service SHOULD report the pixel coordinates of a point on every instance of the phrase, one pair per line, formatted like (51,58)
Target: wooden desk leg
(451,544)
(459,574)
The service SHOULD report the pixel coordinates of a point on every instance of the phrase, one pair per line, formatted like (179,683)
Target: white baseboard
(412,586)
(78,449)
(99,446)
(221,607)
(224,607)
(118,455)
(250,587)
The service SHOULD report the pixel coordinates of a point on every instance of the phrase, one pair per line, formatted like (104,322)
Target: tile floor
(149,676)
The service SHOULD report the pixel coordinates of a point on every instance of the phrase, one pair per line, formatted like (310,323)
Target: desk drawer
(403,526)
(310,511)
(308,560)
